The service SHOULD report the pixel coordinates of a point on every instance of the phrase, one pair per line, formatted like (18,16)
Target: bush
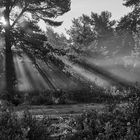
(12,127)
(115,124)
(93,95)
(40,98)
(35,129)
(88,94)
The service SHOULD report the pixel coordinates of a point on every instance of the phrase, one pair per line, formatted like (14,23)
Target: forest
(84,85)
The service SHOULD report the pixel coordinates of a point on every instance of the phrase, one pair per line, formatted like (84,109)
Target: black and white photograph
(69,69)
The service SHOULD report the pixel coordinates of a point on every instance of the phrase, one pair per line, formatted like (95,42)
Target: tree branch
(13,3)
(51,22)
(36,9)
(19,16)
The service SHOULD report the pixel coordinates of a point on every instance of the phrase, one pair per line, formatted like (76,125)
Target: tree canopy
(129,26)
(81,32)
(22,30)
(25,14)
(94,29)
(131,3)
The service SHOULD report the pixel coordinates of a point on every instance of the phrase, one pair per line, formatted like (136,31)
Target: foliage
(36,129)
(119,122)
(128,27)
(59,41)
(91,94)
(81,32)
(21,28)
(103,24)
(46,97)
(12,127)
(131,2)
(96,34)
(93,34)
(25,27)
(129,22)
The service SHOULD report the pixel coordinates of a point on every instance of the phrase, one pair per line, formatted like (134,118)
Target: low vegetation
(117,122)
(91,94)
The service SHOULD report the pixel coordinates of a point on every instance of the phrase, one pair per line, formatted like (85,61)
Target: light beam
(3,21)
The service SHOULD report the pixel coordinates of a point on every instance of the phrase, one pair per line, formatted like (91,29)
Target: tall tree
(104,28)
(132,20)
(94,29)
(17,30)
(103,24)
(81,32)
(128,27)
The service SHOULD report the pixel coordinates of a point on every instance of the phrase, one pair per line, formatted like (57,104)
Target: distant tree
(81,32)
(103,25)
(21,17)
(52,36)
(58,41)
(104,28)
(128,27)
(95,29)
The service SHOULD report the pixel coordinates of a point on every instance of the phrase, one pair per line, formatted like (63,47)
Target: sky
(79,7)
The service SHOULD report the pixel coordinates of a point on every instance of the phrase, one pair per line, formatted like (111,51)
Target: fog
(39,76)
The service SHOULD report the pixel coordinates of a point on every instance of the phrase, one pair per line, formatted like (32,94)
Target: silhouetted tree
(21,18)
(131,3)
(132,20)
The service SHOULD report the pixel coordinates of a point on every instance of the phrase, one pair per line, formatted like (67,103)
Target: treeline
(99,35)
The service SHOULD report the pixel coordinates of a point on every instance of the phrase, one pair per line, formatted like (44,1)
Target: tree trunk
(9,64)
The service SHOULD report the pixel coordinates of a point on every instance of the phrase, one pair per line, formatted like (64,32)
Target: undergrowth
(85,95)
(117,122)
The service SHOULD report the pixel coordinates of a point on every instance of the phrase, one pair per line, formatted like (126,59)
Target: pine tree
(132,3)
(21,17)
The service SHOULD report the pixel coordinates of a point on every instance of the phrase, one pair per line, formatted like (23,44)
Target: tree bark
(9,64)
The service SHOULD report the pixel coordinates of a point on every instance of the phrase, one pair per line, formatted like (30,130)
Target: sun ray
(2,21)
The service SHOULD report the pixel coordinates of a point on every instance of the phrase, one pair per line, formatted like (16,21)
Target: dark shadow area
(10,76)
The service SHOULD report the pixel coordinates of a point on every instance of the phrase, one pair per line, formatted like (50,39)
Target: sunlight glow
(2,21)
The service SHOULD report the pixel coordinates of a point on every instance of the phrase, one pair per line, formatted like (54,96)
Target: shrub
(115,124)
(35,129)
(42,98)
(12,127)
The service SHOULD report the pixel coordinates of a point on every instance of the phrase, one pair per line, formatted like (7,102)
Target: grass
(101,121)
(60,110)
